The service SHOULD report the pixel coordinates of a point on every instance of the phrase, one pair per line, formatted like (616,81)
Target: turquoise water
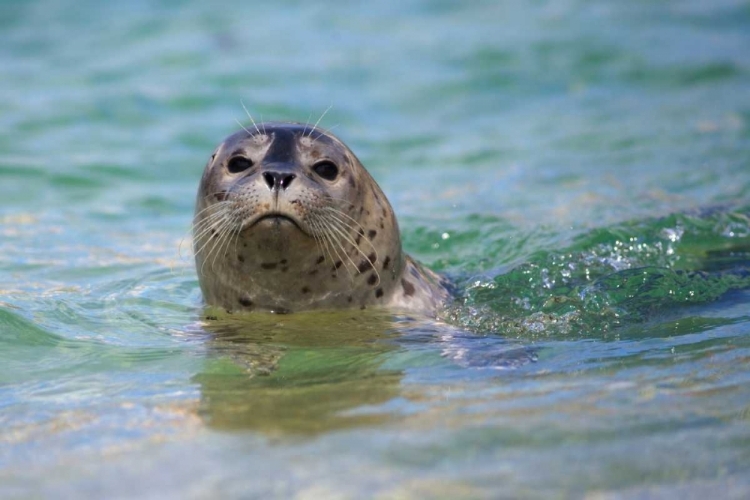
(580,170)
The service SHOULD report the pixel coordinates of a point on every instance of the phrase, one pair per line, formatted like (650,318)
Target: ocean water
(580,170)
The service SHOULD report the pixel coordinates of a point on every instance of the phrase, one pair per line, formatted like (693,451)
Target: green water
(580,170)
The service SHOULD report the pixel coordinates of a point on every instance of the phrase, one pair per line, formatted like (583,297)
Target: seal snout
(277,181)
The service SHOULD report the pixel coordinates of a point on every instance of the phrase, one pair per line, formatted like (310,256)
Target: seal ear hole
(238,164)
(326,170)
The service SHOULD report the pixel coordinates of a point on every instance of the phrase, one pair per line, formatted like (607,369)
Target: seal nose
(278,180)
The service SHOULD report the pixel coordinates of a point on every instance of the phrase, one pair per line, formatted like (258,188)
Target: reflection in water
(313,372)
(298,374)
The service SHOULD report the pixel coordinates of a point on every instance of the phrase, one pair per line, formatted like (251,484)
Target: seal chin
(275,221)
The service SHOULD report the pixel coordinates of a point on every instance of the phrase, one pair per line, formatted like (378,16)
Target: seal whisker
(220,210)
(214,206)
(231,231)
(208,224)
(204,233)
(197,228)
(336,212)
(334,236)
(233,236)
(329,239)
(340,228)
(341,200)
(210,239)
(217,208)
(179,247)
(314,230)
(346,260)
(345,235)
(238,231)
(321,117)
(327,131)
(227,238)
(250,116)
(306,124)
(224,232)
(217,227)
(323,240)
(243,127)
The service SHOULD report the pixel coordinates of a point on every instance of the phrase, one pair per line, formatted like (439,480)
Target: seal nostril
(270,179)
(287,180)
(277,180)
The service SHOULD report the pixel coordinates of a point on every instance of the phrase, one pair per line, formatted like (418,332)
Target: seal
(287,219)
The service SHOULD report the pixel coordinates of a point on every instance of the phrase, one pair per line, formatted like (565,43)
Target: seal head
(287,219)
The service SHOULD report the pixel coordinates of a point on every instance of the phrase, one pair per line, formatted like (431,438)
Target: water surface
(580,170)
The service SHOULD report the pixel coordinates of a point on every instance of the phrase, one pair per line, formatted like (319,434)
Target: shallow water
(581,171)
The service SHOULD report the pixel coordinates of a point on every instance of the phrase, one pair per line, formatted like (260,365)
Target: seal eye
(326,170)
(239,164)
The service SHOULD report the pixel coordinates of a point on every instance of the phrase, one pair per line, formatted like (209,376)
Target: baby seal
(287,219)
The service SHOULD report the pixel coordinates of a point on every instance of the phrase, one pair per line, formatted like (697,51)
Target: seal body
(287,219)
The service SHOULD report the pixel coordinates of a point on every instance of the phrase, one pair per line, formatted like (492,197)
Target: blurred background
(525,146)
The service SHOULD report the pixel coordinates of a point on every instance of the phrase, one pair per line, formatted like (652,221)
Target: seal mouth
(276,219)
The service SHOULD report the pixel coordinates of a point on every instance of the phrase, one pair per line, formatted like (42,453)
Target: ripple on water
(532,150)
(612,278)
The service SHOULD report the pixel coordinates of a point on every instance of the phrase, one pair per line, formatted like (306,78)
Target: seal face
(287,219)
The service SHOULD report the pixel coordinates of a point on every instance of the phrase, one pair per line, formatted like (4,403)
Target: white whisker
(243,127)
(321,239)
(249,115)
(359,226)
(327,131)
(222,233)
(195,228)
(207,224)
(213,230)
(339,226)
(321,117)
(340,233)
(306,124)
